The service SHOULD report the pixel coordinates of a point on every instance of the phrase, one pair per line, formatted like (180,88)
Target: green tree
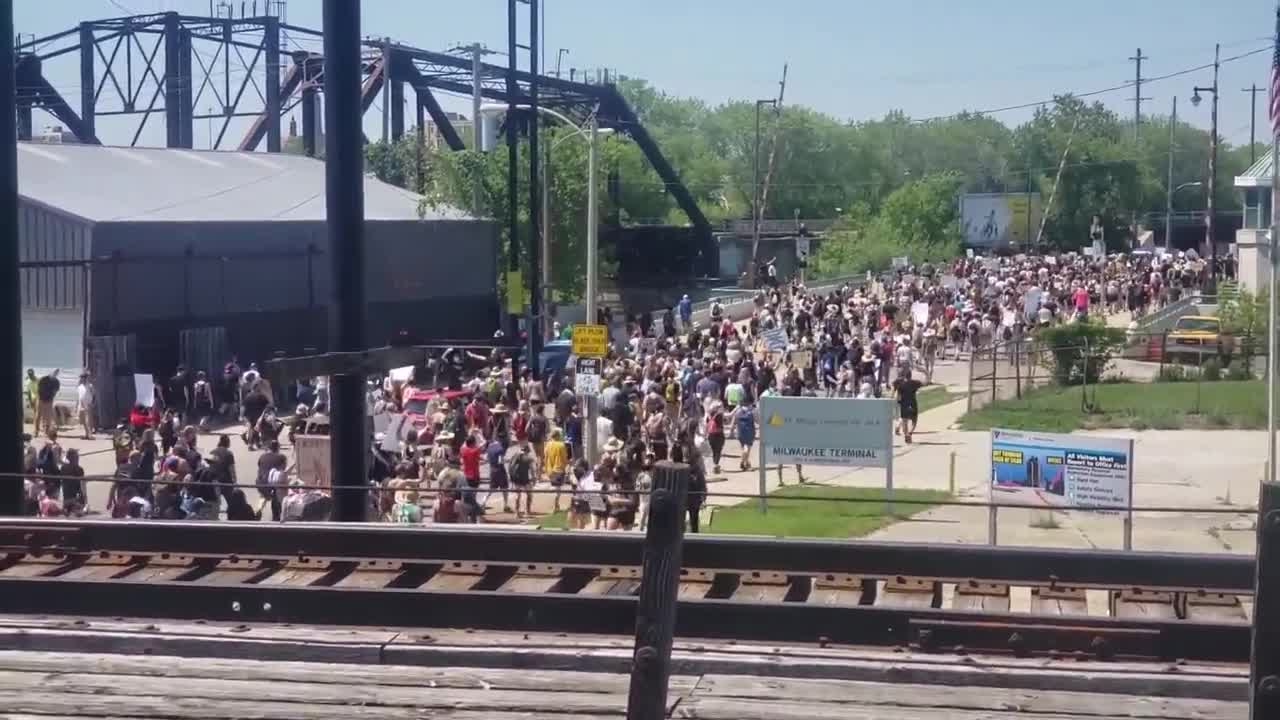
(918,220)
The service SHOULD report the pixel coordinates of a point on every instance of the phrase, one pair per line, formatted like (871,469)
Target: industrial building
(173,255)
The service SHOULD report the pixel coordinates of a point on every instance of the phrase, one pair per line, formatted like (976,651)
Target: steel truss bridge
(168,64)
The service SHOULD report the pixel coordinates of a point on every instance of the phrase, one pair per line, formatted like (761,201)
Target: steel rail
(1232,574)
(566,612)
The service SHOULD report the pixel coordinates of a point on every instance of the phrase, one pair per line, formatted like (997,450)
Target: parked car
(1194,337)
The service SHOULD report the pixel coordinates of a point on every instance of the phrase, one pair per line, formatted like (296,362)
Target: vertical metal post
(397,108)
(764,479)
(186,90)
(995,369)
(419,157)
(25,124)
(386,89)
(547,280)
(309,120)
(172,80)
(1264,661)
(10,305)
(593,269)
(659,584)
(271,86)
(755,203)
(534,323)
(1017,366)
(1211,216)
(88,109)
(477,128)
(1253,91)
(1137,93)
(888,469)
(1168,197)
(344,202)
(513,159)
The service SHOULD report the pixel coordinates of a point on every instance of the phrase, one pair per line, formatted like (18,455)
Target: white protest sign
(920,313)
(392,435)
(144,389)
(775,339)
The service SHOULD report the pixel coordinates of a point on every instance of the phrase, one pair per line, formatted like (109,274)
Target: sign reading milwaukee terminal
(1050,469)
(826,431)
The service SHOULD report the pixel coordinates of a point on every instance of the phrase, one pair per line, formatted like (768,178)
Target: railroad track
(952,599)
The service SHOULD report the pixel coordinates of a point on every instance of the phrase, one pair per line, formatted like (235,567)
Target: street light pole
(592,131)
(1168,207)
(1210,212)
(755,195)
(593,269)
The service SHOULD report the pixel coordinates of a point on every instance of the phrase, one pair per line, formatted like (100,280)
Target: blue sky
(854,59)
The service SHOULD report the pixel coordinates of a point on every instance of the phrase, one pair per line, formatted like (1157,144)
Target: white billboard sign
(999,220)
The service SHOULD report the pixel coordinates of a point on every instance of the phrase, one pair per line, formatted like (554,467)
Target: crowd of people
(670,389)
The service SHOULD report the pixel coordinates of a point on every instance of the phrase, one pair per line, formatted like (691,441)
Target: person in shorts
(521,467)
(579,506)
(906,390)
(555,462)
(494,455)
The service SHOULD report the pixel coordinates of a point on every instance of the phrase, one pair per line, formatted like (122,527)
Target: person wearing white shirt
(85,401)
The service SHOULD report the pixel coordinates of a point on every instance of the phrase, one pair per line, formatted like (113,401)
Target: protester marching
(480,439)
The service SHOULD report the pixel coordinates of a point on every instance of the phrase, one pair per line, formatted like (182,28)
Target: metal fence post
(1264,661)
(968,398)
(995,370)
(660,581)
(1017,367)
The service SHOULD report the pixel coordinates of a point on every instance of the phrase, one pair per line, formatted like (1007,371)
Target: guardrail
(739,307)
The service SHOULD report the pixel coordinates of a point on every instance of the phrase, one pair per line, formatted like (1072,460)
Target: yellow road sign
(590,340)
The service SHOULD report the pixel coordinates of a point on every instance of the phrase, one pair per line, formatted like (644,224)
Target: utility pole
(535,189)
(1253,91)
(1168,201)
(1137,91)
(344,203)
(515,290)
(756,211)
(760,195)
(11,492)
(1210,220)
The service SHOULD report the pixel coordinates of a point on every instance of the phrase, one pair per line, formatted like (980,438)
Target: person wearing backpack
(520,470)
(537,431)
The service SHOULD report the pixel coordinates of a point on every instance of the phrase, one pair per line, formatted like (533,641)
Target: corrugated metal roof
(1259,174)
(104,184)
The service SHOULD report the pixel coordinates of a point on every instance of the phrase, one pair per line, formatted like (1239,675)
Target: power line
(1091,93)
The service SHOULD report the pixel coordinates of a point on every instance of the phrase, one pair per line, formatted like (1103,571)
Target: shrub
(1139,424)
(1081,351)
(1239,370)
(1211,371)
(1166,421)
(1217,420)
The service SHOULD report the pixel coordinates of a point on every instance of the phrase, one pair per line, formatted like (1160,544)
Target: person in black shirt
(74,500)
(906,389)
(178,392)
(46,390)
(222,466)
(254,404)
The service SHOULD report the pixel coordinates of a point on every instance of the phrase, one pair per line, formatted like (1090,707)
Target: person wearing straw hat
(406,510)
(500,423)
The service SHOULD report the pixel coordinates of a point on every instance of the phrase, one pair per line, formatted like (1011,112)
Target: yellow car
(1195,336)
